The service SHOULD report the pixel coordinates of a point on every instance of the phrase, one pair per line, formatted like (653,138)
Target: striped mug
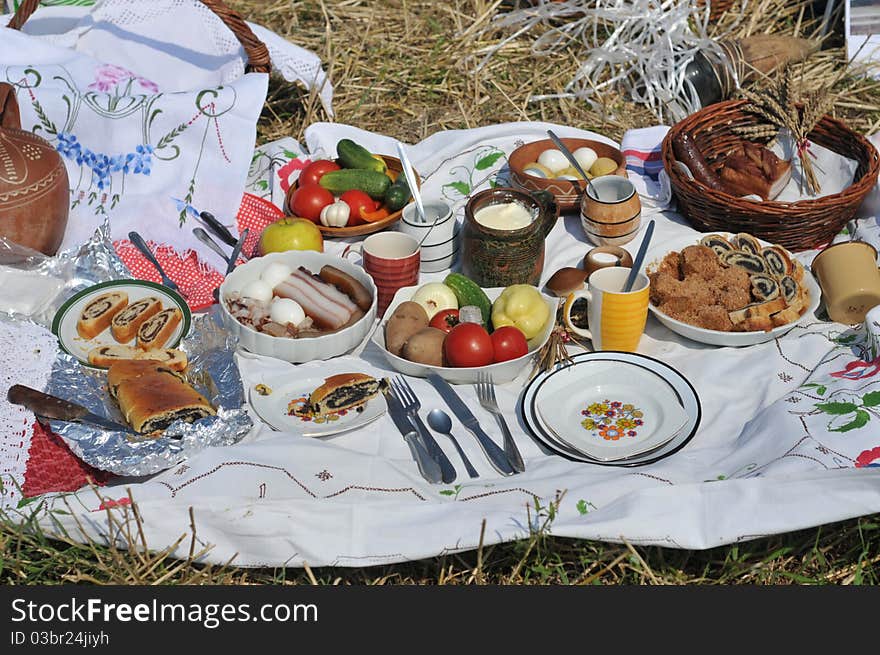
(392,259)
(616,319)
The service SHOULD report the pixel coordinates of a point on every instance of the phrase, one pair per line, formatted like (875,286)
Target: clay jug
(34,189)
(499,258)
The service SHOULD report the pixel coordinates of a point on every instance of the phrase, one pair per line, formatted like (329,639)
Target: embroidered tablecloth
(788,438)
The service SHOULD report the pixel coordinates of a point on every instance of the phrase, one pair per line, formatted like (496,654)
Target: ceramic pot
(498,258)
(34,189)
(611,212)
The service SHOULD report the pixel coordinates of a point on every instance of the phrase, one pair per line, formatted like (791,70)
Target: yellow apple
(291,234)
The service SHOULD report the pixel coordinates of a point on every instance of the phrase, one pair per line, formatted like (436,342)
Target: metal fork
(411,406)
(486,394)
(141,245)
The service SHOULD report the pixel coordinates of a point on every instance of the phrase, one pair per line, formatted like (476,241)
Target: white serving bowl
(305,349)
(718,337)
(500,373)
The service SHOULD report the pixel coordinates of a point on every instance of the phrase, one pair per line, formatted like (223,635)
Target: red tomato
(445,320)
(468,344)
(358,201)
(508,342)
(313,172)
(308,201)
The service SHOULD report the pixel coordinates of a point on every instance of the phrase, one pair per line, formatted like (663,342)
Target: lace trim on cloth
(30,351)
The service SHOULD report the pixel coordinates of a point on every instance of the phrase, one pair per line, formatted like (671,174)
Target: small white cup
(440,245)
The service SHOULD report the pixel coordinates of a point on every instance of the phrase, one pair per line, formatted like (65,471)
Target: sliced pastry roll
(106,356)
(751,262)
(125,324)
(764,287)
(747,243)
(344,391)
(99,312)
(778,261)
(153,397)
(155,331)
(717,243)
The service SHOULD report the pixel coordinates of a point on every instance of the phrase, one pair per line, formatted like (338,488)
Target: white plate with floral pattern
(610,410)
(281,403)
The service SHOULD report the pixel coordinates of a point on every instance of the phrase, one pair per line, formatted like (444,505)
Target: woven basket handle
(256,50)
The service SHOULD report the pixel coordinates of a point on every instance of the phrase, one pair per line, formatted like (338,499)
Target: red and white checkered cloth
(196,278)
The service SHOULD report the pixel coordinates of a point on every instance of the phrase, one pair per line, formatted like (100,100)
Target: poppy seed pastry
(717,243)
(99,312)
(344,391)
(155,331)
(152,397)
(125,324)
(764,287)
(747,243)
(752,263)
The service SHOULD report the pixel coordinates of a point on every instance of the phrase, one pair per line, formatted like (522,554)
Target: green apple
(291,234)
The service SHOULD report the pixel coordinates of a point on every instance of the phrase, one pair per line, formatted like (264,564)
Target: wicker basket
(799,225)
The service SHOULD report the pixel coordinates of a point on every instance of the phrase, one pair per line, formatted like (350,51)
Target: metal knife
(218,228)
(493,452)
(236,251)
(428,467)
(42,404)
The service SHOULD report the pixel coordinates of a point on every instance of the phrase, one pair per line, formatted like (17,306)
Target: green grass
(390,78)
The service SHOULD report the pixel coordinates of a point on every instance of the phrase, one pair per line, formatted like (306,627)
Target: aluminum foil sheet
(212,370)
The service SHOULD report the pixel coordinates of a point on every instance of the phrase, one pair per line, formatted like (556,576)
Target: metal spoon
(640,258)
(571,160)
(205,238)
(440,422)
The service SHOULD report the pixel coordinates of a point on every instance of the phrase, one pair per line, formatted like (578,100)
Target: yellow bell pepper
(522,306)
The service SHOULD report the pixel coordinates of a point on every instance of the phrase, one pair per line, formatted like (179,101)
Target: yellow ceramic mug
(616,319)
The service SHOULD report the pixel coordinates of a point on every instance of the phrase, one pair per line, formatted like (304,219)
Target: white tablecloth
(788,439)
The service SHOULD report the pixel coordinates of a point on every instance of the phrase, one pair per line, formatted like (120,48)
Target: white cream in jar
(504,216)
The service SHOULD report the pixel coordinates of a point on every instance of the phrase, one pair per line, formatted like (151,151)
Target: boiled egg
(586,157)
(285,310)
(536,169)
(257,290)
(553,159)
(275,273)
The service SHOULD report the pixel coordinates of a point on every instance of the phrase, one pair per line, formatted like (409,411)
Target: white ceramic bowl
(500,373)
(718,337)
(307,348)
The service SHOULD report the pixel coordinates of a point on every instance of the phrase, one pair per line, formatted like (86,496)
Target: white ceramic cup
(440,244)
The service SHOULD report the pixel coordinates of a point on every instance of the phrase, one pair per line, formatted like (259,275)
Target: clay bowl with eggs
(306,348)
(567,192)
(500,372)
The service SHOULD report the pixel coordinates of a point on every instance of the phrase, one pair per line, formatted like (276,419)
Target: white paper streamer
(642,45)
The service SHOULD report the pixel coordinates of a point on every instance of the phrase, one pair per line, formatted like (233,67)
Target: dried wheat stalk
(785,104)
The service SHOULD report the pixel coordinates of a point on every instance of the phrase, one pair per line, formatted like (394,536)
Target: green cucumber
(354,155)
(469,292)
(398,194)
(372,183)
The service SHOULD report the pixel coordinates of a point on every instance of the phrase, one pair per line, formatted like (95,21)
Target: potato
(425,347)
(407,319)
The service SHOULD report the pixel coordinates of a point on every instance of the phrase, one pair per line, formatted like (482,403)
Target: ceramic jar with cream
(502,238)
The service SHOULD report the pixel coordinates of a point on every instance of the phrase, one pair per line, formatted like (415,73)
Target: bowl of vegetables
(355,194)
(458,330)
(540,166)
